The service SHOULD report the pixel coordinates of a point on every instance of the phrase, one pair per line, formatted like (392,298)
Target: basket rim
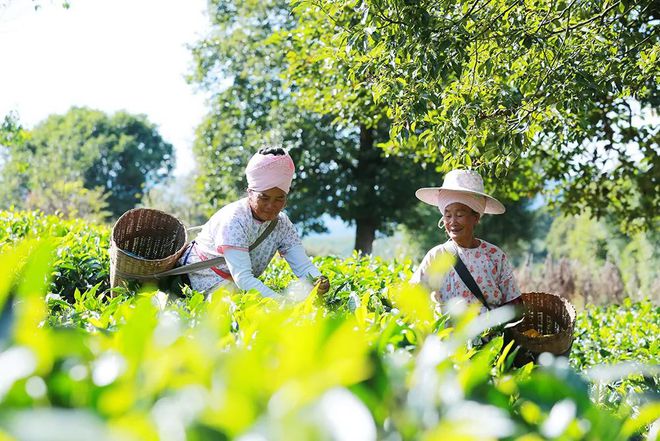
(117,248)
(567,304)
(133,210)
(143,259)
(562,339)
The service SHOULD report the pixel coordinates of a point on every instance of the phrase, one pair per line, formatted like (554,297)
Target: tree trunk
(367,167)
(365,234)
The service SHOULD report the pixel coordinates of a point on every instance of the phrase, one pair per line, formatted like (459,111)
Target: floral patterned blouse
(234,227)
(489,267)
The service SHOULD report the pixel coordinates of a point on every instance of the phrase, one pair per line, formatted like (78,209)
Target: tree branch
(516,3)
(469,12)
(653,32)
(390,21)
(585,22)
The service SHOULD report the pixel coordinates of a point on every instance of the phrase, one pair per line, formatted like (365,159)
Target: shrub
(142,367)
(81,258)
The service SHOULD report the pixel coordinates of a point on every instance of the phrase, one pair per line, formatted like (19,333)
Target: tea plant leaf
(647,415)
(235,364)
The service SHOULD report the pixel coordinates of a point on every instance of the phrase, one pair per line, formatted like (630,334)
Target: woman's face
(459,221)
(266,205)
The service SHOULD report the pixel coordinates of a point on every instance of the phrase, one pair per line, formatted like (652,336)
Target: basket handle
(204,264)
(174,271)
(194,229)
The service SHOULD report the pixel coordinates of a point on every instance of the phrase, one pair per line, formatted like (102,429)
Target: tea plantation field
(372,360)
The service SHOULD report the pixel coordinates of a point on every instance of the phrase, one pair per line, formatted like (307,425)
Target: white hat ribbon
(461,186)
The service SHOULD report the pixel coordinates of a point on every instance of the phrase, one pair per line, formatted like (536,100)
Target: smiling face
(266,205)
(459,221)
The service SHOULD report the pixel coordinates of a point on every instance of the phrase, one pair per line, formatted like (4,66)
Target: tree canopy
(547,94)
(118,156)
(340,170)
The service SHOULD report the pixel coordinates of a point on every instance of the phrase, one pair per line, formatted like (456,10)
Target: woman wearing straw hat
(482,272)
(249,232)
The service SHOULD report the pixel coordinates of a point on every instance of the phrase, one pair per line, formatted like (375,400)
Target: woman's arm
(507,282)
(291,249)
(240,267)
(300,263)
(426,274)
(302,266)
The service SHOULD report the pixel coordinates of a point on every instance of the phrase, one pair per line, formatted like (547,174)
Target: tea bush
(81,249)
(625,335)
(374,362)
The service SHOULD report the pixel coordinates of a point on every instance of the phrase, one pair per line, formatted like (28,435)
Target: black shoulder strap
(216,260)
(467,278)
(265,234)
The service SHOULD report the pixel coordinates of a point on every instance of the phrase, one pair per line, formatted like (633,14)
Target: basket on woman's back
(145,242)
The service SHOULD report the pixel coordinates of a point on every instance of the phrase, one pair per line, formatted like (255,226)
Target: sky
(108,55)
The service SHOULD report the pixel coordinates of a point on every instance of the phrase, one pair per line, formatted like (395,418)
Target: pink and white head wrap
(268,171)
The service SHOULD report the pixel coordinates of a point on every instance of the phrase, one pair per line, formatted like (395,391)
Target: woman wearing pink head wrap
(248,232)
(462,202)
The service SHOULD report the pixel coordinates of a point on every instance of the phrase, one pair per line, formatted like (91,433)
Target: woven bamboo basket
(145,242)
(551,317)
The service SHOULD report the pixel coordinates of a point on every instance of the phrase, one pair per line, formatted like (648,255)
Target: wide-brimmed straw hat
(464,186)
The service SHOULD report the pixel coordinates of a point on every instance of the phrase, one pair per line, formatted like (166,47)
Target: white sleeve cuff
(300,263)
